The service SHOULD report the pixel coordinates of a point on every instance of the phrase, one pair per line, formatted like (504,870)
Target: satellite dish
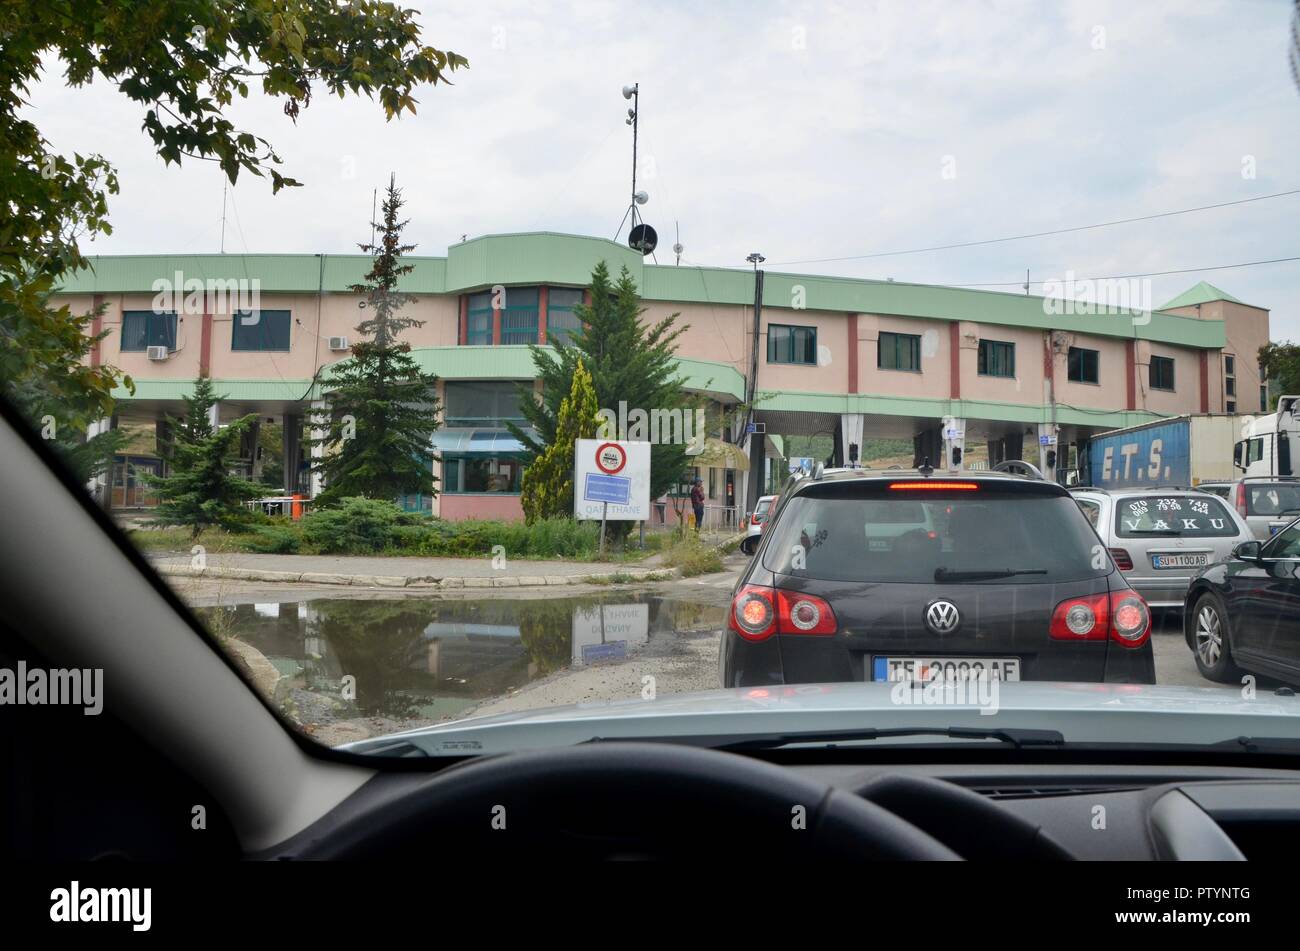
(642,238)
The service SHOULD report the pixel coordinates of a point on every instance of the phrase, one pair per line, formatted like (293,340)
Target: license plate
(1180,561)
(924,669)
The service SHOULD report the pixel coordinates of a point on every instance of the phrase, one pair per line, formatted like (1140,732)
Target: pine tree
(627,360)
(378,431)
(200,490)
(547,484)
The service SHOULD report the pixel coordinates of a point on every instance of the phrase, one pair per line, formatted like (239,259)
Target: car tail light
(1120,615)
(935,486)
(1130,618)
(1241,499)
(1123,560)
(798,613)
(1082,619)
(753,615)
(758,612)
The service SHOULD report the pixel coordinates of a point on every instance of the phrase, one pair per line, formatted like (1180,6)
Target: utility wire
(1040,234)
(1124,277)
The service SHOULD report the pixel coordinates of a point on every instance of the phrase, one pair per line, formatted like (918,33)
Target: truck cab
(1269,444)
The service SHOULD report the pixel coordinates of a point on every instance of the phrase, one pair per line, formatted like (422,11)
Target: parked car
(1160,538)
(892,575)
(1268,503)
(1243,615)
(754,524)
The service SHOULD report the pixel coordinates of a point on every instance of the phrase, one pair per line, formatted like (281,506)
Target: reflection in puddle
(408,659)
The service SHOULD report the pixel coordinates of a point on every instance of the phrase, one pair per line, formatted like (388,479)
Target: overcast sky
(802,130)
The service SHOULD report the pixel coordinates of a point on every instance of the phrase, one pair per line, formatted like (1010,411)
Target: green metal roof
(240,390)
(449,363)
(836,403)
(1202,293)
(476,363)
(544,257)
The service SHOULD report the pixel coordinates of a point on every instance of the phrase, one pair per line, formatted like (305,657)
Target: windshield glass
(1193,517)
(1044,538)
(452,364)
(1271,498)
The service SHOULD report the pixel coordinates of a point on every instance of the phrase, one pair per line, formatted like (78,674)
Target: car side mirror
(749,544)
(1247,551)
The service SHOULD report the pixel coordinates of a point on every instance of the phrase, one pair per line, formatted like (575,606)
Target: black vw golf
(917,575)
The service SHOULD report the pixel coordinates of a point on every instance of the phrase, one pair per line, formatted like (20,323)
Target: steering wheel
(615,800)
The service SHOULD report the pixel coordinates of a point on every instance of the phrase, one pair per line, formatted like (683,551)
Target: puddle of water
(417,659)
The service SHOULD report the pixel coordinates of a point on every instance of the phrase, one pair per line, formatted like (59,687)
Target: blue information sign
(616,490)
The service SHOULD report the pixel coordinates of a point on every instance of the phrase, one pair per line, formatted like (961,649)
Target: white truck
(1270,445)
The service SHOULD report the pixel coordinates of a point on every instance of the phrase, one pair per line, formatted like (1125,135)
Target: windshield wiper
(1289,745)
(1019,738)
(947,574)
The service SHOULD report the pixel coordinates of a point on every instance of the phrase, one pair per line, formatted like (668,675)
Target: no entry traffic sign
(610,458)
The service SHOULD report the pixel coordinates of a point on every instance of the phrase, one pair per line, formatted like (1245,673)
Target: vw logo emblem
(942,617)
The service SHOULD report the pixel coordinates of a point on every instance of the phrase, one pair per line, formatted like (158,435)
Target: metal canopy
(477,442)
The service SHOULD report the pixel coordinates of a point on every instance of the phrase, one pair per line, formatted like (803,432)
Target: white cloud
(804,130)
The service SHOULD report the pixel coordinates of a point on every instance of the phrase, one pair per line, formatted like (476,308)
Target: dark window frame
(787,340)
(896,344)
(1081,377)
(471,312)
(263,326)
(986,356)
(453,484)
(563,334)
(1156,373)
(150,317)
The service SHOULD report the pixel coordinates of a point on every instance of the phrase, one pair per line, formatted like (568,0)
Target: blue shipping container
(1156,455)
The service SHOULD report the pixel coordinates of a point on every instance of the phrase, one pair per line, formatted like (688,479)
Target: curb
(426,583)
(429,583)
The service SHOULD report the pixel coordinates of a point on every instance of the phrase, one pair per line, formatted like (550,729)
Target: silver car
(1267,503)
(1160,538)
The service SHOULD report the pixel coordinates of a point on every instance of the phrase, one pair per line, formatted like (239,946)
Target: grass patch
(371,527)
(693,557)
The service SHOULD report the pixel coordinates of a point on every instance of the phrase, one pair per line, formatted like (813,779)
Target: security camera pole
(756,440)
(633,92)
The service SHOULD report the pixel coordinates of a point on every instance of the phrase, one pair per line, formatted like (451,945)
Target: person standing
(697,502)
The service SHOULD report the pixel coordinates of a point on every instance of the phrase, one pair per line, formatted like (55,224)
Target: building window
(260,330)
(997,358)
(147,328)
(499,474)
(1232,406)
(899,352)
(561,321)
(1161,373)
(519,315)
(1082,365)
(478,330)
(786,344)
(480,403)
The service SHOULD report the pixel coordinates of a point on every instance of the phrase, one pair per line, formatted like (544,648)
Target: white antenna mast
(225,183)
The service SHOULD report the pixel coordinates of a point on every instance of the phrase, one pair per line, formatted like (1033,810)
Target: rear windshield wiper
(1019,738)
(947,574)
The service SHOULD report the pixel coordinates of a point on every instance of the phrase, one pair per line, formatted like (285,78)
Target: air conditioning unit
(339,343)
(158,353)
